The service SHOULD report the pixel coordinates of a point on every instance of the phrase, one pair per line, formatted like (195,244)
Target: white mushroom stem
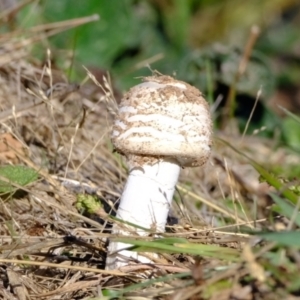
(145,201)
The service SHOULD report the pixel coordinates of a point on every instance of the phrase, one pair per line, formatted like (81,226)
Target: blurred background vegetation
(199,41)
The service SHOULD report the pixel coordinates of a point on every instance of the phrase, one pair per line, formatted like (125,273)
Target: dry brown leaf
(9,147)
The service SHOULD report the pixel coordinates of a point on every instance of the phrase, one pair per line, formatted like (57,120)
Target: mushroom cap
(164,118)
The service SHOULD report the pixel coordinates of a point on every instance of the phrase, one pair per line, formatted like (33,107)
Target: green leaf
(15,175)
(88,203)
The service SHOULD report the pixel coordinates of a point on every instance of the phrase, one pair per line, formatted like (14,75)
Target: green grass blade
(285,208)
(285,238)
(290,114)
(112,294)
(273,181)
(159,246)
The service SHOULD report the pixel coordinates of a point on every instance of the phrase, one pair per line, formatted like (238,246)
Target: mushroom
(163,125)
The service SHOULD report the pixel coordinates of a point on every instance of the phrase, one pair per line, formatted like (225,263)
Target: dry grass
(49,250)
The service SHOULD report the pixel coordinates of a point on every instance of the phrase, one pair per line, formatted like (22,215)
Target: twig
(230,101)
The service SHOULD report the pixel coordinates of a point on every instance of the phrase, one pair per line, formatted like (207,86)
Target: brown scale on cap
(191,94)
(163,118)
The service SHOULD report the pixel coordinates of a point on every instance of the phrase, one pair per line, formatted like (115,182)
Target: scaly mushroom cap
(164,118)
